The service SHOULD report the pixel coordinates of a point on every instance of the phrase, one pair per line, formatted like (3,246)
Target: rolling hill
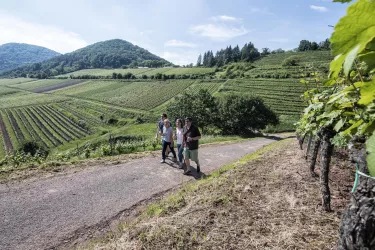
(13,55)
(114,53)
(61,113)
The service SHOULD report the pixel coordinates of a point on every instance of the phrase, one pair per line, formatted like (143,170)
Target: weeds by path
(271,202)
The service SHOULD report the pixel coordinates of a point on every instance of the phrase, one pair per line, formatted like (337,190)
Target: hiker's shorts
(191,154)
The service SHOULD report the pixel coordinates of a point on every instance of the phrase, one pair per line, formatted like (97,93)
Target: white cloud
(318,8)
(279,40)
(261,11)
(177,43)
(14,29)
(181,58)
(225,18)
(218,32)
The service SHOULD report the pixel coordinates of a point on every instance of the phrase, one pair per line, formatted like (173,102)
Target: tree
(325,45)
(314,46)
(205,59)
(200,106)
(265,51)
(253,54)
(245,53)
(236,54)
(304,45)
(199,61)
(242,114)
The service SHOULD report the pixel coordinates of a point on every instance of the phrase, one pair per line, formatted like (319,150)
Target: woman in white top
(167,139)
(180,136)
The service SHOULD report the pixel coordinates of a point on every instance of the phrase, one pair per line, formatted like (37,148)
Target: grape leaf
(356,29)
(370,148)
(342,1)
(367,93)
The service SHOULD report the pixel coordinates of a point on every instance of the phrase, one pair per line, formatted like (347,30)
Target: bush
(33,148)
(291,61)
(243,115)
(112,121)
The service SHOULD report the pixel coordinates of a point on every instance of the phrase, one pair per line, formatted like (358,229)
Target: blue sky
(175,30)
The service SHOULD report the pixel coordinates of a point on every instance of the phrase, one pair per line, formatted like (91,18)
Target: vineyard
(57,112)
(137,95)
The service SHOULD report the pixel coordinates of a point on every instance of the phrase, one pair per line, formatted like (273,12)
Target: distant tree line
(248,53)
(306,45)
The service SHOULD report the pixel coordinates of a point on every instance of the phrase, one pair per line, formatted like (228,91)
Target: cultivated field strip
(7,142)
(14,81)
(32,130)
(138,95)
(283,96)
(211,86)
(41,123)
(79,131)
(58,86)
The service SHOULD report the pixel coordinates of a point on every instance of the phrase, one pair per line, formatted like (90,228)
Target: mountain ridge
(13,55)
(114,53)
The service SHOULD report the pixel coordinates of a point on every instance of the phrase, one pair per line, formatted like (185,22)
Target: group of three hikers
(187,141)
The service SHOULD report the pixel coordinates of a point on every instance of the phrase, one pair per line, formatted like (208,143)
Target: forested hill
(13,55)
(107,54)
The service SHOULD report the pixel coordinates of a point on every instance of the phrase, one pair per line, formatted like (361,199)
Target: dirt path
(45,213)
(8,142)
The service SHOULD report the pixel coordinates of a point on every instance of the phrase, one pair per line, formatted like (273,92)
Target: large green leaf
(352,34)
(367,93)
(370,148)
(369,59)
(339,125)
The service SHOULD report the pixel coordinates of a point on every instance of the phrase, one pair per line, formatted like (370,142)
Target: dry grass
(271,202)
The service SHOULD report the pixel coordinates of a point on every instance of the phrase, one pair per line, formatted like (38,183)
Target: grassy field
(15,81)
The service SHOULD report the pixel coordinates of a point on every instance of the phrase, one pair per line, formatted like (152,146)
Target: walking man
(191,137)
(160,130)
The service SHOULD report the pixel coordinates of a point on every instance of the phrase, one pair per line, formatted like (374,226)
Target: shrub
(291,61)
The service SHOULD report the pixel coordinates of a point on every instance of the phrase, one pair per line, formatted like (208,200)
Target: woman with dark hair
(180,137)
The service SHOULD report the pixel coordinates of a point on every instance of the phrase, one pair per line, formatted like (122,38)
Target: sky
(173,29)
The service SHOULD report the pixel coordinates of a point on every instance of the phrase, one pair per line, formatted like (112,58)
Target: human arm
(196,135)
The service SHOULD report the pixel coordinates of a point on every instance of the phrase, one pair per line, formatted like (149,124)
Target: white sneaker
(162,161)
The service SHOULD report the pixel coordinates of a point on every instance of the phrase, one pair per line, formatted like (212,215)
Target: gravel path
(42,214)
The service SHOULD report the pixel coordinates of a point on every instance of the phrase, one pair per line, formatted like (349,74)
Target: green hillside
(108,54)
(59,113)
(13,55)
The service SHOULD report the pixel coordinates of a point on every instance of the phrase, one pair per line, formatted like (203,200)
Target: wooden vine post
(314,156)
(357,229)
(325,160)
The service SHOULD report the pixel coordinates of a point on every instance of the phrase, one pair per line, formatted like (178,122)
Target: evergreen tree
(205,59)
(236,54)
(219,58)
(244,53)
(199,62)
